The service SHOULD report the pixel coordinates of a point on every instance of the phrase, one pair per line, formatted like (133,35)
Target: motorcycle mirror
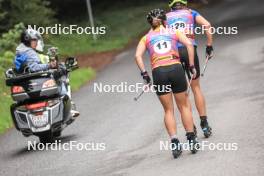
(70,62)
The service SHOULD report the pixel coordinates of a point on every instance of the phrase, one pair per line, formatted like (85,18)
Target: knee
(169,111)
(183,105)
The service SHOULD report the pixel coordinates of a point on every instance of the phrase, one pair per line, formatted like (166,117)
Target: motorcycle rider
(26,55)
(167,71)
(185,19)
(27,58)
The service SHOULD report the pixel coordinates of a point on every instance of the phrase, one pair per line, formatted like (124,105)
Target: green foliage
(8,43)
(9,40)
(2,14)
(5,99)
(130,24)
(34,12)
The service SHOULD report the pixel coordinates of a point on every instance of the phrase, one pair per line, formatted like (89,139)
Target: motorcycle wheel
(46,137)
(57,133)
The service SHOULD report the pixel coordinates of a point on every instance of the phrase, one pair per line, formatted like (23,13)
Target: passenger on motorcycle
(26,55)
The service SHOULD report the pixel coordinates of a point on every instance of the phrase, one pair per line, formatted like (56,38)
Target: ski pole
(142,92)
(189,84)
(205,65)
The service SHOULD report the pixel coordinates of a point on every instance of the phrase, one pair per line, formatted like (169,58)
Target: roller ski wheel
(207,130)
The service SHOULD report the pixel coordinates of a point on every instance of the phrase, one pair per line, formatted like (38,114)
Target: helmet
(172,2)
(28,35)
(156,13)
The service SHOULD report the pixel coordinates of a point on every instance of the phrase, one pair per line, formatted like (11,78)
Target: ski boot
(207,130)
(176,148)
(193,143)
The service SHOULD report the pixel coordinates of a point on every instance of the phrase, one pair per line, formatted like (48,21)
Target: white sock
(174,137)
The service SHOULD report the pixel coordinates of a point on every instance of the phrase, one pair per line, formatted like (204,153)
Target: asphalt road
(132,131)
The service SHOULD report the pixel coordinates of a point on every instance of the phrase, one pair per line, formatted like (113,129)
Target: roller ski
(193,143)
(207,130)
(176,148)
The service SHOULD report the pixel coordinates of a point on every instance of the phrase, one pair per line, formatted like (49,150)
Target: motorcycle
(39,108)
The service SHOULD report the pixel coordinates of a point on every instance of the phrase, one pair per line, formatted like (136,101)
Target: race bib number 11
(162,47)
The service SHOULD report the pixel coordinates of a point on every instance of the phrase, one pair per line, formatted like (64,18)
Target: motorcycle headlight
(49,83)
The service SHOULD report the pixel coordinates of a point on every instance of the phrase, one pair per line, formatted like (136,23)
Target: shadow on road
(29,150)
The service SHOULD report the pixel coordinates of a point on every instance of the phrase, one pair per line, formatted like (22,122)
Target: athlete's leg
(170,123)
(187,120)
(169,119)
(196,89)
(198,97)
(179,87)
(183,105)
(201,107)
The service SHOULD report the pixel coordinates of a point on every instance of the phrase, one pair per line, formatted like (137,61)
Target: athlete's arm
(203,22)
(141,48)
(188,44)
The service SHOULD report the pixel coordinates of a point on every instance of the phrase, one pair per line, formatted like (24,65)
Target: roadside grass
(5,102)
(79,77)
(5,118)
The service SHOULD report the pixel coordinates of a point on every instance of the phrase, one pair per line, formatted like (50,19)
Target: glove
(209,51)
(53,64)
(62,69)
(193,71)
(146,77)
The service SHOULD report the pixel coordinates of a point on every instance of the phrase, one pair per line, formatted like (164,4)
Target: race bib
(162,47)
(179,25)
